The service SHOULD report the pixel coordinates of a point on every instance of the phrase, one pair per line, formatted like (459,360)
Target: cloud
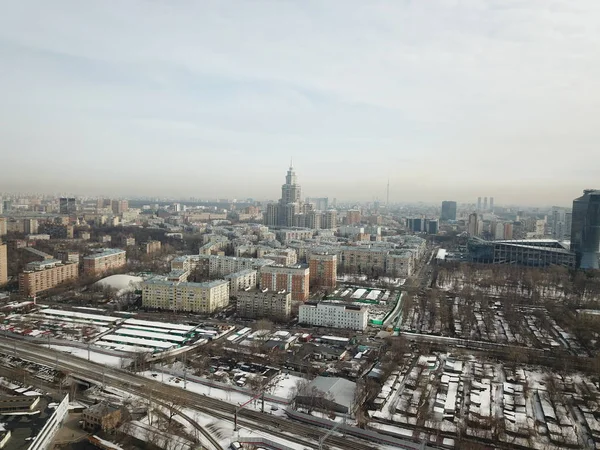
(482,90)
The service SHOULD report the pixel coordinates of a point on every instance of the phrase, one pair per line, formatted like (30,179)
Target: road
(300,433)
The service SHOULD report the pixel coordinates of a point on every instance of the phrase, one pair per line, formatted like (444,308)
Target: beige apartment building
(3,265)
(240,281)
(256,304)
(153,247)
(3,226)
(103,261)
(40,276)
(161,293)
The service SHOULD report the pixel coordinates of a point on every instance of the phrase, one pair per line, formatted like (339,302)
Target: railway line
(145,388)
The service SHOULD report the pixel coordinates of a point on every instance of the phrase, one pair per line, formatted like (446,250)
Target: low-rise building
(162,293)
(242,280)
(103,261)
(334,315)
(40,276)
(257,303)
(101,417)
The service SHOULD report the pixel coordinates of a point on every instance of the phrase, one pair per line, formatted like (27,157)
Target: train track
(144,387)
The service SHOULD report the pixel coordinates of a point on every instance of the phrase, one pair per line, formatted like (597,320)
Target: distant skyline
(449,100)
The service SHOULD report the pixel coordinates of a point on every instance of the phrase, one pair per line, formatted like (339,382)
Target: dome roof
(121,282)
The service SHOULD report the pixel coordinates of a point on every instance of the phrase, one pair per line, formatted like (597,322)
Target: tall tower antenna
(387,202)
(291,161)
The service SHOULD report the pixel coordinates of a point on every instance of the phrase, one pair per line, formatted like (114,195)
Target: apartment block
(258,304)
(3,265)
(3,229)
(161,293)
(103,261)
(285,257)
(119,206)
(240,281)
(299,234)
(323,270)
(294,279)
(216,265)
(152,247)
(378,260)
(334,315)
(40,276)
(353,216)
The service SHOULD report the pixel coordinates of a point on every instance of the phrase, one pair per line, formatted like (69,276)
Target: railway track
(144,387)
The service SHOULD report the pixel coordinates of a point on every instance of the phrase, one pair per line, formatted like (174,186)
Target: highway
(160,393)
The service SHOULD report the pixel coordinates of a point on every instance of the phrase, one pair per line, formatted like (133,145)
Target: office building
(103,261)
(323,270)
(415,224)
(3,264)
(271,215)
(448,210)
(259,304)
(433,226)
(40,276)
(334,315)
(67,206)
(294,279)
(162,293)
(585,229)
(242,280)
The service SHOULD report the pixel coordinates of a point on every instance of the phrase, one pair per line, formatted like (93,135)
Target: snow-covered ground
(101,358)
(284,385)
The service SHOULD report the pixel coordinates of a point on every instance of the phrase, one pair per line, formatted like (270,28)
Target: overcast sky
(449,99)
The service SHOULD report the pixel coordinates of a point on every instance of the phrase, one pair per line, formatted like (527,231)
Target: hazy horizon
(449,100)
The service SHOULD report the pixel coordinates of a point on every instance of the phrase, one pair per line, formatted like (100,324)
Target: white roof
(121,282)
(152,324)
(137,341)
(149,335)
(94,317)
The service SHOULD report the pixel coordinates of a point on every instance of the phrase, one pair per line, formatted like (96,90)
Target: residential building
(334,315)
(353,216)
(258,304)
(478,203)
(30,226)
(290,201)
(103,261)
(372,261)
(3,226)
(320,203)
(299,234)
(585,229)
(474,227)
(40,276)
(448,210)
(68,256)
(3,264)
(152,247)
(491,204)
(294,279)
(119,206)
(101,417)
(323,270)
(242,280)
(329,221)
(161,293)
(285,257)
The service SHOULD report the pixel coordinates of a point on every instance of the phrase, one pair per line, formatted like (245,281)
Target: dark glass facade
(448,210)
(585,229)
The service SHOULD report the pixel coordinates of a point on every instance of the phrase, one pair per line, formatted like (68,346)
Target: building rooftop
(163,281)
(105,252)
(45,264)
(241,273)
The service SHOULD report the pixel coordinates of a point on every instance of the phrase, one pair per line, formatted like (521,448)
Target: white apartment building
(240,281)
(218,265)
(159,292)
(334,315)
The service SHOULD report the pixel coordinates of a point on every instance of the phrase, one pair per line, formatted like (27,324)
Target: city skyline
(201,99)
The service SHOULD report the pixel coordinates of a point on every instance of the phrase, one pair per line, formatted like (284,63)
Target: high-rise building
(258,304)
(119,206)
(3,265)
(160,292)
(293,279)
(330,219)
(353,216)
(585,229)
(30,226)
(321,203)
(323,270)
(474,226)
(40,276)
(433,226)
(448,210)
(485,207)
(1,206)
(271,215)
(478,203)
(492,204)
(67,205)
(2,226)
(290,202)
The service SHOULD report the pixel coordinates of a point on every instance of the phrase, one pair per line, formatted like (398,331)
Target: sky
(448,99)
